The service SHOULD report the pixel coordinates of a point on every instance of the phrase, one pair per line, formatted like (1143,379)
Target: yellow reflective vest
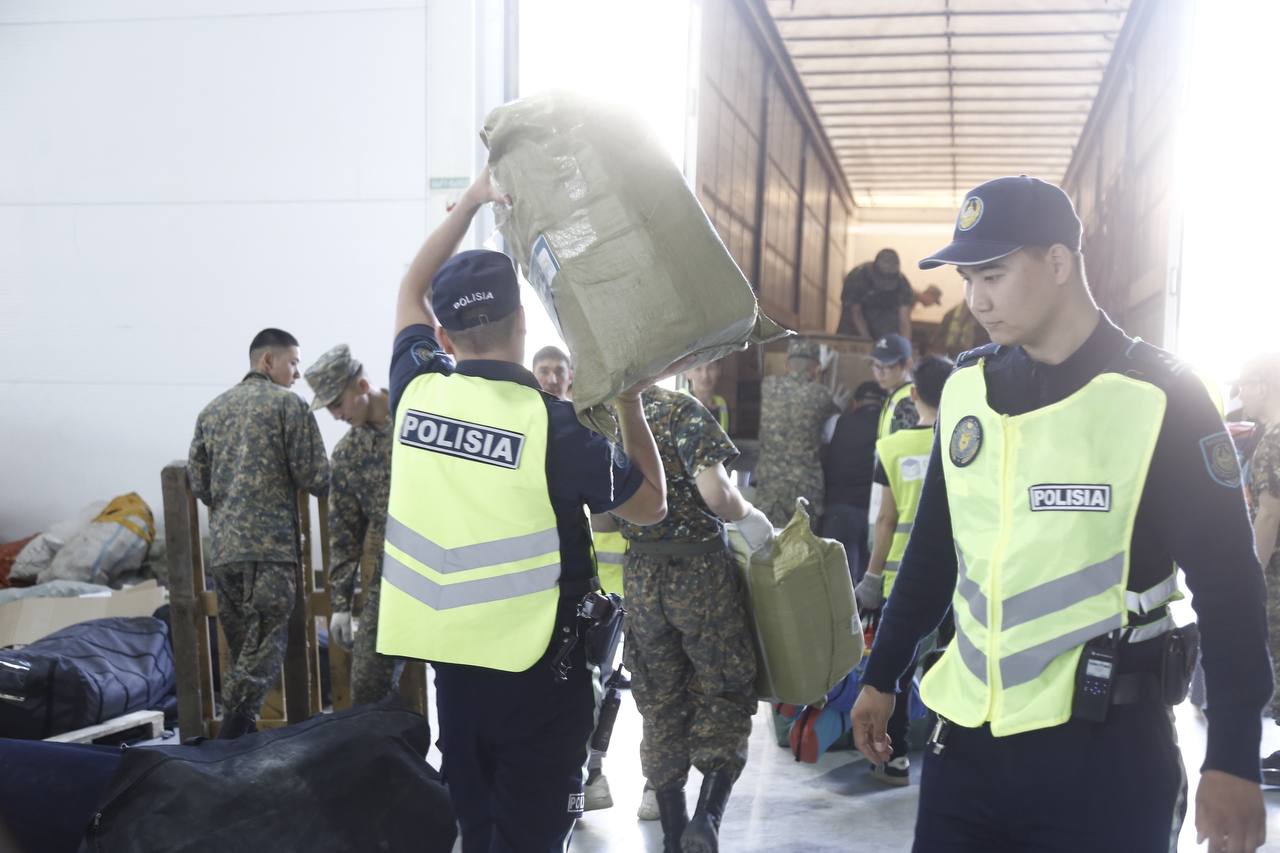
(1042,507)
(471,567)
(903,392)
(611,550)
(905,457)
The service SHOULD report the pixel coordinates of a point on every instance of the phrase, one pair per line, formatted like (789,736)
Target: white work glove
(340,628)
(870,592)
(826,356)
(757,530)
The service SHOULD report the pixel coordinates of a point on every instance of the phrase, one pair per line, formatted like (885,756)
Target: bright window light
(633,54)
(1229,179)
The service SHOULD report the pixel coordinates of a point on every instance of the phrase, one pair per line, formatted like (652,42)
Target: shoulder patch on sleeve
(422,353)
(1220,458)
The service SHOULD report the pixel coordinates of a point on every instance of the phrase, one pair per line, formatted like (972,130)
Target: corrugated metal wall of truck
(1122,173)
(767,178)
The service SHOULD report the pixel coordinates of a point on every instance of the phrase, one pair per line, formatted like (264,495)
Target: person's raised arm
(649,504)
(413,305)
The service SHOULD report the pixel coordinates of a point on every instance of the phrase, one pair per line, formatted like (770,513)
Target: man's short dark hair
(930,375)
(487,337)
(550,353)
(270,339)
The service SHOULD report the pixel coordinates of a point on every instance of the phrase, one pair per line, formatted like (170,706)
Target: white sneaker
(648,805)
(597,795)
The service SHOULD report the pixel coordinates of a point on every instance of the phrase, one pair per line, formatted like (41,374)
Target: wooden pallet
(194,607)
(151,721)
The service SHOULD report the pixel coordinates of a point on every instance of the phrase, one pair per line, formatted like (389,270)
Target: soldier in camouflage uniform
(688,644)
(794,408)
(357,512)
(254,447)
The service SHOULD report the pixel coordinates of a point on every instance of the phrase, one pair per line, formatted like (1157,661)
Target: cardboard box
(28,619)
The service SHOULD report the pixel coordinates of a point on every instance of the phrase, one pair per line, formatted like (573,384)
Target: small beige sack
(620,252)
(807,631)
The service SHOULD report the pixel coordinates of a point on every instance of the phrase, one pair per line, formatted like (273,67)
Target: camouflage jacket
(357,505)
(793,410)
(254,447)
(689,441)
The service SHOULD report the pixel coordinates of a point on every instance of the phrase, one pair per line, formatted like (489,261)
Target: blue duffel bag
(85,674)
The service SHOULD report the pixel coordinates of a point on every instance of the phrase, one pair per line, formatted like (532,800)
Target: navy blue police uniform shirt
(1191,513)
(582,466)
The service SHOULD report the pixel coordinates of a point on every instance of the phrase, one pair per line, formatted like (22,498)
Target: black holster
(603,616)
(1181,651)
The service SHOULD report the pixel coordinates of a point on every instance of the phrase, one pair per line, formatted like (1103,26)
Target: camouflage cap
(329,376)
(804,348)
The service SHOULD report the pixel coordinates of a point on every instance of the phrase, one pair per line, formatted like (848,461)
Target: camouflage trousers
(692,663)
(373,676)
(776,498)
(1272,573)
(254,603)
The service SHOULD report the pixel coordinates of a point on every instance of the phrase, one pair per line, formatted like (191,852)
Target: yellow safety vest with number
(886,414)
(471,567)
(1042,510)
(611,550)
(905,457)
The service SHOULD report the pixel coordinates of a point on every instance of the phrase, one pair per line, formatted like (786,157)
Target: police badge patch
(966,441)
(1220,458)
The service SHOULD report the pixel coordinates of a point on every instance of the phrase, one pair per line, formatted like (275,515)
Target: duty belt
(682,549)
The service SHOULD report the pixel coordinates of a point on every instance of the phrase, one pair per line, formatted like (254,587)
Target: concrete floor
(780,805)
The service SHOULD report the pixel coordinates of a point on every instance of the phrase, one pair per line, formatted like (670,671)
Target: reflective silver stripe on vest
(892,566)
(610,557)
(970,592)
(448,596)
(1159,595)
(974,659)
(495,553)
(1021,667)
(905,527)
(1150,631)
(1061,593)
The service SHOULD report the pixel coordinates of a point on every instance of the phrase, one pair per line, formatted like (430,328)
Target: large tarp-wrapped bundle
(808,635)
(620,252)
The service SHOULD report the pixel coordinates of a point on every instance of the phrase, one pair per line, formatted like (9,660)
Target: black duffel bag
(83,675)
(353,780)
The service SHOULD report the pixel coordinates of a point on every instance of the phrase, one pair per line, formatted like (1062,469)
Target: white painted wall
(176,175)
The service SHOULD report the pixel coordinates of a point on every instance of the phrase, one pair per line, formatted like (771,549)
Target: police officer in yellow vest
(891,364)
(903,458)
(488,550)
(1073,467)
(702,384)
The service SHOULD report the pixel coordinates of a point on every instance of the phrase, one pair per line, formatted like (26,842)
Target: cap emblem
(970,213)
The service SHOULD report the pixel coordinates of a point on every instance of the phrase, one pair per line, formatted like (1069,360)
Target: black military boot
(703,833)
(674,815)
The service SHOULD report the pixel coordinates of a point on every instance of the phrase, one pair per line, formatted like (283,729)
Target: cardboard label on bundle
(543,266)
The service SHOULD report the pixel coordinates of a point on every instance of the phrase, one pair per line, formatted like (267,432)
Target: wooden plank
(297,675)
(187,614)
(153,720)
